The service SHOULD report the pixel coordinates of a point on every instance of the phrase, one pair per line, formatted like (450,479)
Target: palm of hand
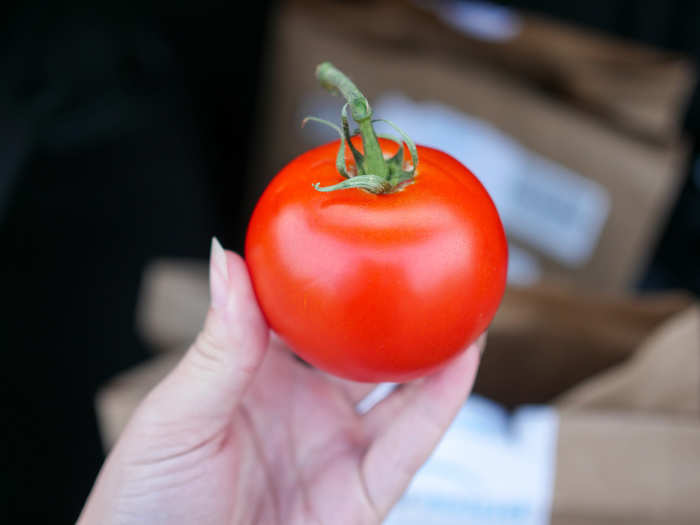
(304,444)
(295,450)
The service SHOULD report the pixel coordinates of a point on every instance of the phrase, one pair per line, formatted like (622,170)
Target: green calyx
(374,172)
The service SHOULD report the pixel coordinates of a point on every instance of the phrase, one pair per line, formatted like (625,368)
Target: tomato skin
(377,287)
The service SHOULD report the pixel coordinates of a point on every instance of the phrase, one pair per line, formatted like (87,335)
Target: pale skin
(242,433)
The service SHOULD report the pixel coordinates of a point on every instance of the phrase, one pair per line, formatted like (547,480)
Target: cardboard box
(622,372)
(607,135)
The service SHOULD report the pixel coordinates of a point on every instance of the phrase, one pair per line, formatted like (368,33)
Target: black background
(124,136)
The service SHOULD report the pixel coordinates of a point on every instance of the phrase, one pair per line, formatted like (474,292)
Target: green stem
(374,173)
(334,80)
(371,183)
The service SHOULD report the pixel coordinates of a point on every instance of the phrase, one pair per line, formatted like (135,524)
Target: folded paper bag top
(662,376)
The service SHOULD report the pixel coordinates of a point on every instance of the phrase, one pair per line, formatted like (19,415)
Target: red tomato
(377,287)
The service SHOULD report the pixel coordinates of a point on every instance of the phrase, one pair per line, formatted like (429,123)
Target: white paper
(490,468)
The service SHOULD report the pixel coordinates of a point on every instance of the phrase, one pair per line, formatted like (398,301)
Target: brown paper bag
(640,90)
(663,375)
(117,400)
(545,340)
(624,375)
(173,302)
(624,468)
(629,438)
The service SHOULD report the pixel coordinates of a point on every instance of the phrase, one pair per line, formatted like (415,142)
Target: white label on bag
(490,468)
(523,268)
(540,202)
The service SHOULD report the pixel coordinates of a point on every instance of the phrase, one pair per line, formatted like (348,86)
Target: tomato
(377,287)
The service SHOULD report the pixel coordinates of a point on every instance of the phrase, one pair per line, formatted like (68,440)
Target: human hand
(242,433)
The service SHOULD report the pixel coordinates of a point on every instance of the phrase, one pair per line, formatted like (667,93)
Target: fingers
(219,366)
(414,428)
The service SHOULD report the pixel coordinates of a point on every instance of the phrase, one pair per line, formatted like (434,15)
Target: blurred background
(132,135)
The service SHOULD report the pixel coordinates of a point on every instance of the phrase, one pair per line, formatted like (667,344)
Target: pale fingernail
(218,274)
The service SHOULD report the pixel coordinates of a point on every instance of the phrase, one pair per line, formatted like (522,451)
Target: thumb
(218,367)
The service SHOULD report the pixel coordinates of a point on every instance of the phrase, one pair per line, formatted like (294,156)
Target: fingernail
(218,274)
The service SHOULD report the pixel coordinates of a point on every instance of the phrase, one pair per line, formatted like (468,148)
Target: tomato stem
(371,183)
(375,173)
(335,81)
